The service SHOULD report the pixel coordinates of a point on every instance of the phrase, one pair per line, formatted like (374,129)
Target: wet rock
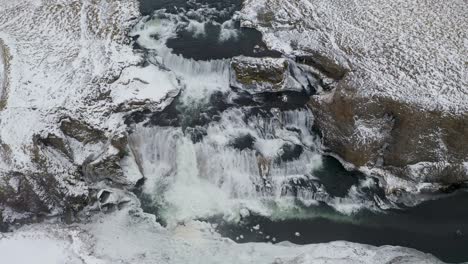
(108,165)
(264,166)
(260,75)
(4,73)
(120,142)
(243,142)
(289,152)
(326,65)
(196,133)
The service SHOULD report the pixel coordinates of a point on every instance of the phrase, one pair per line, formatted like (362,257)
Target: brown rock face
(379,132)
(81,131)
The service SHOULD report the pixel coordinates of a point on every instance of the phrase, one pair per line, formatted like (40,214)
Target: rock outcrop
(259,75)
(396,103)
(404,140)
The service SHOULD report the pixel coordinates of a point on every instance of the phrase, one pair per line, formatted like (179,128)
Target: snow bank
(40,247)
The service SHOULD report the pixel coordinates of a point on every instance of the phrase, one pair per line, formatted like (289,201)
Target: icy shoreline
(129,236)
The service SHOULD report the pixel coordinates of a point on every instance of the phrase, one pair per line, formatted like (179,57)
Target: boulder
(261,75)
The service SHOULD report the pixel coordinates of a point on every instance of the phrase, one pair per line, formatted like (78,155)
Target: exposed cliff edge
(397,102)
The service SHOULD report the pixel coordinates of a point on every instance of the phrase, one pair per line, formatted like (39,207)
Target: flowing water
(250,163)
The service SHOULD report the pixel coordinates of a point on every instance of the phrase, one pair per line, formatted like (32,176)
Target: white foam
(197,28)
(228,31)
(183,177)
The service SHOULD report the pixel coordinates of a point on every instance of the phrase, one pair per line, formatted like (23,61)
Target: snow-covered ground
(65,58)
(410,51)
(68,59)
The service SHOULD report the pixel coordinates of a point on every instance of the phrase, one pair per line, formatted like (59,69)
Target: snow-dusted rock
(398,103)
(260,75)
(64,69)
(4,69)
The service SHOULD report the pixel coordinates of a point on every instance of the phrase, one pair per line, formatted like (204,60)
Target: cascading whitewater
(214,177)
(241,158)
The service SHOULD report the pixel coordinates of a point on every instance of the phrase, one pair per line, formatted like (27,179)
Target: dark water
(249,41)
(147,7)
(439,227)
(208,47)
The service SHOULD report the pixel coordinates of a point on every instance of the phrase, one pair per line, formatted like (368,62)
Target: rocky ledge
(396,100)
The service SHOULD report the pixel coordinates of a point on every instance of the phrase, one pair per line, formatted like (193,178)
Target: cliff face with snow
(68,75)
(395,99)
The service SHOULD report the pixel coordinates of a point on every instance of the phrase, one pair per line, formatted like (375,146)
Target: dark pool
(248,42)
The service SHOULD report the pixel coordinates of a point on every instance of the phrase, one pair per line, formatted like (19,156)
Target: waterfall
(238,157)
(213,177)
(201,77)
